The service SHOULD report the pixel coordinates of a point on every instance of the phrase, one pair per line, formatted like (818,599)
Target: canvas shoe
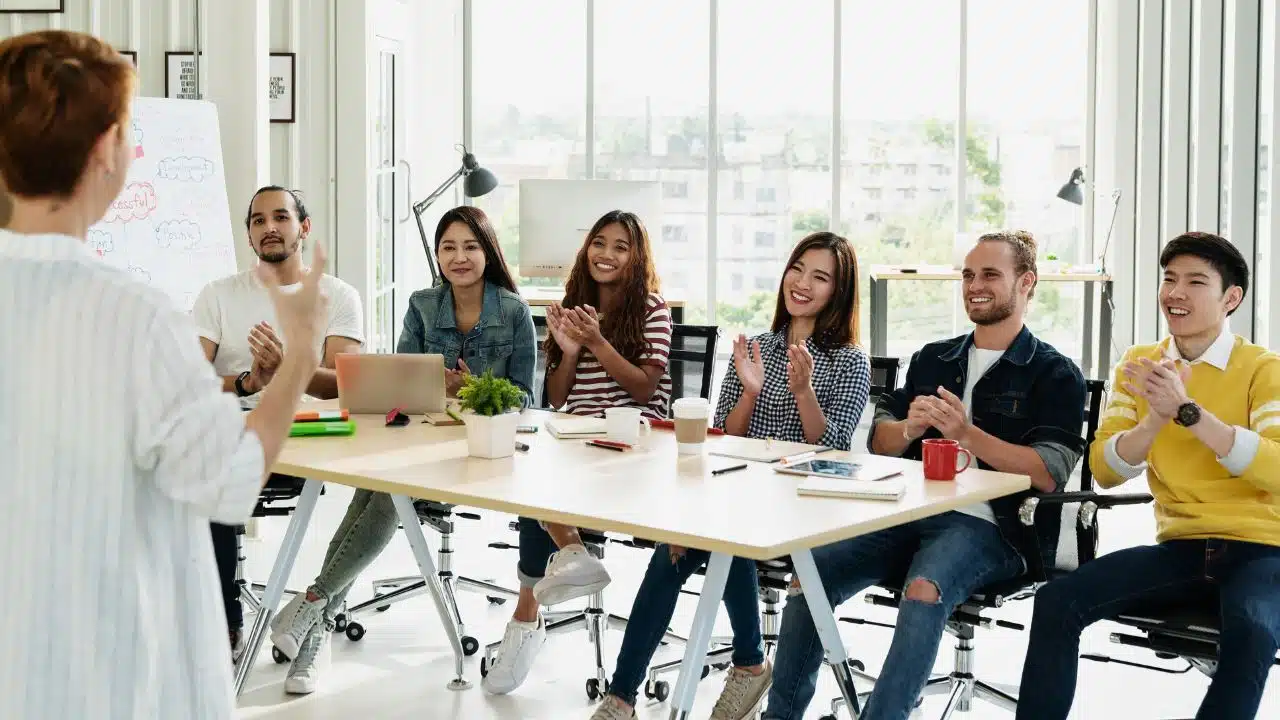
(573,572)
(304,673)
(514,658)
(742,694)
(292,626)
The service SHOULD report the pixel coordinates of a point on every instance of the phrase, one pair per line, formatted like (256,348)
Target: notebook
(767,451)
(820,486)
(571,428)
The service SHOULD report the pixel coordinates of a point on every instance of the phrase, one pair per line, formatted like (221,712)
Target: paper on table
(760,450)
(584,427)
(887,489)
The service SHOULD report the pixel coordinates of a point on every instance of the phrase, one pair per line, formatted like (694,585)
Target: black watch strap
(240,389)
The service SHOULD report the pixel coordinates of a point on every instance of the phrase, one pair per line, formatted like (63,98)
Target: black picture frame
(283,65)
(175,59)
(132,55)
(33,7)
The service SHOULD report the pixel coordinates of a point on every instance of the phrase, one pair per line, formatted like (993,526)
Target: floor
(401,667)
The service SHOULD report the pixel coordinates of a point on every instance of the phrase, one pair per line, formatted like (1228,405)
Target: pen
(607,446)
(521,446)
(731,468)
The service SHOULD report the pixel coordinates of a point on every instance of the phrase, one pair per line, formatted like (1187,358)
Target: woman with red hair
(118,443)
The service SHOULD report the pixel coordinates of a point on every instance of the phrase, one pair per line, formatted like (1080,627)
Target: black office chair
(692,367)
(774,576)
(1077,507)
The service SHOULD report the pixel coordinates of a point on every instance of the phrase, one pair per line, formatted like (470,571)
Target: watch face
(1188,414)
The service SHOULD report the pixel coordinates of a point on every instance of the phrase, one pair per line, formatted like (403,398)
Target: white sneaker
(292,626)
(571,573)
(304,673)
(742,694)
(612,709)
(514,658)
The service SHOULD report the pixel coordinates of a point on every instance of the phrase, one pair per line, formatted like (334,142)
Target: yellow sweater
(1195,496)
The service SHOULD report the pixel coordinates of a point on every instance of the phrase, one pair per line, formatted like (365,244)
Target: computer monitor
(556,215)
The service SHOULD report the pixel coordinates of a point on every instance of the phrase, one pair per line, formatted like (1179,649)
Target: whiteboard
(171,225)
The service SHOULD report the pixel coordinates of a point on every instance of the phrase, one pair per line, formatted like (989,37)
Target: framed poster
(132,55)
(16,7)
(282,82)
(180,76)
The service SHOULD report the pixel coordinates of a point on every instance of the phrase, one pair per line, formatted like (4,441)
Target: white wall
(301,153)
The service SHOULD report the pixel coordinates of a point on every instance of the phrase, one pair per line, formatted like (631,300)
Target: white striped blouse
(117,447)
(595,391)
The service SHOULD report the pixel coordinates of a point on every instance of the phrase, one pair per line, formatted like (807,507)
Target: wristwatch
(240,389)
(1188,414)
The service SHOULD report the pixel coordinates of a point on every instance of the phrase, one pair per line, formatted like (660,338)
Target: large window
(781,158)
(528,101)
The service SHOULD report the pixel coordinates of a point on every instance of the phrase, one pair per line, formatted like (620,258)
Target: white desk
(651,493)
(881,275)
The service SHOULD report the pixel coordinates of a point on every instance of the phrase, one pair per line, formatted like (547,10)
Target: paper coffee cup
(690,417)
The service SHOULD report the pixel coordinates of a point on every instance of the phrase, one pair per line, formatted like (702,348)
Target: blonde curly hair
(1024,252)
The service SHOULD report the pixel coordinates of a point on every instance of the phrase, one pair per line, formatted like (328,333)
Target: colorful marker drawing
(184,234)
(100,241)
(136,202)
(187,169)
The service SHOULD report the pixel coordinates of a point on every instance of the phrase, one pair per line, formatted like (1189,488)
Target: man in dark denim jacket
(1014,402)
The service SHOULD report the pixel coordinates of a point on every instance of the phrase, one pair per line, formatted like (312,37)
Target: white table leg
(824,621)
(695,649)
(279,578)
(421,553)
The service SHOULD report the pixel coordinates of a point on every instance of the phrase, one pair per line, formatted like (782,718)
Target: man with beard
(1017,405)
(236,322)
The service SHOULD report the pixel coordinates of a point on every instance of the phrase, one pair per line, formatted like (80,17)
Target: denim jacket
(1033,396)
(503,340)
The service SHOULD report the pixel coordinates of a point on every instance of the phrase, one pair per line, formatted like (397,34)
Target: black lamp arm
(421,206)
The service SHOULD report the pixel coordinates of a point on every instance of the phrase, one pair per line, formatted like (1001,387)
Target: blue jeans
(954,552)
(1242,577)
(655,603)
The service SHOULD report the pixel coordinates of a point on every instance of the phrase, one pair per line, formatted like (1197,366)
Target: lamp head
(478,181)
(1071,191)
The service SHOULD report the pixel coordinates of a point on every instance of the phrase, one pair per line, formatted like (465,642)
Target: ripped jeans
(954,552)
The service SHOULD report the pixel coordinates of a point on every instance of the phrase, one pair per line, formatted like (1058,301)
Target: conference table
(649,492)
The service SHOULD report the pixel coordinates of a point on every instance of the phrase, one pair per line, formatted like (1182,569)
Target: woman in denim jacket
(478,322)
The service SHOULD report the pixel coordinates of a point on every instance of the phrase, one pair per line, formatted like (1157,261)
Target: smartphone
(527,429)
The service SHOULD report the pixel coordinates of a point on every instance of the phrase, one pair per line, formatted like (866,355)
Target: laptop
(378,384)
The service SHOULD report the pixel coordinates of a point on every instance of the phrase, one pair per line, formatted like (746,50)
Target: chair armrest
(1027,512)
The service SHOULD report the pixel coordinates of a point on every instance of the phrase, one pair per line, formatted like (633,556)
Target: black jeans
(1241,577)
(224,550)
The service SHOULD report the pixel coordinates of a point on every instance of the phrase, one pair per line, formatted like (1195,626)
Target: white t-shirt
(227,309)
(980,361)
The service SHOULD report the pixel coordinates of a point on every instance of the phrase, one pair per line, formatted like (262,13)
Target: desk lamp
(476,181)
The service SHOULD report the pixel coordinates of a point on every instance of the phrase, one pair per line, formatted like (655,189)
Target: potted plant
(491,411)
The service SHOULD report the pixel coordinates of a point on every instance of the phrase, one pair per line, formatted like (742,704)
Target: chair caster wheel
(721,667)
(706,670)
(493,600)
(659,690)
(484,667)
(278,656)
(355,631)
(381,608)
(469,646)
(594,691)
(340,623)
(828,717)
(857,665)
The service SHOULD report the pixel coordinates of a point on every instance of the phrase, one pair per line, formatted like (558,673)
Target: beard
(275,257)
(994,312)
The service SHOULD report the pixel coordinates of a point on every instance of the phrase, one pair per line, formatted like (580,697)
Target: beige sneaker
(742,694)
(612,709)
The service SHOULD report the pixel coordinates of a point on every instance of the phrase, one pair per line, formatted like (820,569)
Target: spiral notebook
(888,489)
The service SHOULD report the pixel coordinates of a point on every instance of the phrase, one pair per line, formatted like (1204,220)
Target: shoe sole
(295,690)
(563,593)
(286,644)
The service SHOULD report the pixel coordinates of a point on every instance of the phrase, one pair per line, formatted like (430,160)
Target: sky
(1027,58)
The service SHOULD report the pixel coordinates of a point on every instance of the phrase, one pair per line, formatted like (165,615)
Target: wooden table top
(650,492)
(545,296)
(946,272)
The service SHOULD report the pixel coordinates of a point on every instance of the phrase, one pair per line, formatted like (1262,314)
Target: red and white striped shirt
(594,391)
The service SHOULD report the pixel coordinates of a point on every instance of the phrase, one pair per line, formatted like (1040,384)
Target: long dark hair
(837,323)
(623,324)
(495,265)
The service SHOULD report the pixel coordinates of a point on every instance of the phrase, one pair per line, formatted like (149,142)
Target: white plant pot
(492,437)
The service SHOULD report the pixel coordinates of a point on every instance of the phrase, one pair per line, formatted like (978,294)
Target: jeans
(364,532)
(225,552)
(655,603)
(1242,577)
(536,548)
(954,552)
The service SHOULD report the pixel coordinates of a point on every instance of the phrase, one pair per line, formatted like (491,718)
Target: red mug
(940,457)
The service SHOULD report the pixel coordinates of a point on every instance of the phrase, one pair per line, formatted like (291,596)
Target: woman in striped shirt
(607,347)
(804,381)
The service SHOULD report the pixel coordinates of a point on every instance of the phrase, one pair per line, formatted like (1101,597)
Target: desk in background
(881,275)
(651,493)
(541,297)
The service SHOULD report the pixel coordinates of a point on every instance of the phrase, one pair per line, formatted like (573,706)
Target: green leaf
(488,395)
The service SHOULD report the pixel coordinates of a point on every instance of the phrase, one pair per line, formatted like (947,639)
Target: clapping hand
(302,314)
(453,379)
(584,325)
(748,364)
(946,413)
(918,417)
(559,326)
(267,352)
(799,369)
(1162,384)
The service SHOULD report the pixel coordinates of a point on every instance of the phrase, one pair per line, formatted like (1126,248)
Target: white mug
(623,425)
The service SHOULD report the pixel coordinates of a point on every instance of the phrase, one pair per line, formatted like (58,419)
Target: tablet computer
(842,469)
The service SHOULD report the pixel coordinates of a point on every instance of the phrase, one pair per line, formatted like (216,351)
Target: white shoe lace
(736,685)
(305,663)
(562,559)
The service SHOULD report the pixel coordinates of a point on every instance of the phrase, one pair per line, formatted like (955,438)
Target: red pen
(609,445)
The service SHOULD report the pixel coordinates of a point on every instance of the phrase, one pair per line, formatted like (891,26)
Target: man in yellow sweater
(1200,413)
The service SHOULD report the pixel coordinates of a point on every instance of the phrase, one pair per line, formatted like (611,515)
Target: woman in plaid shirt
(805,380)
